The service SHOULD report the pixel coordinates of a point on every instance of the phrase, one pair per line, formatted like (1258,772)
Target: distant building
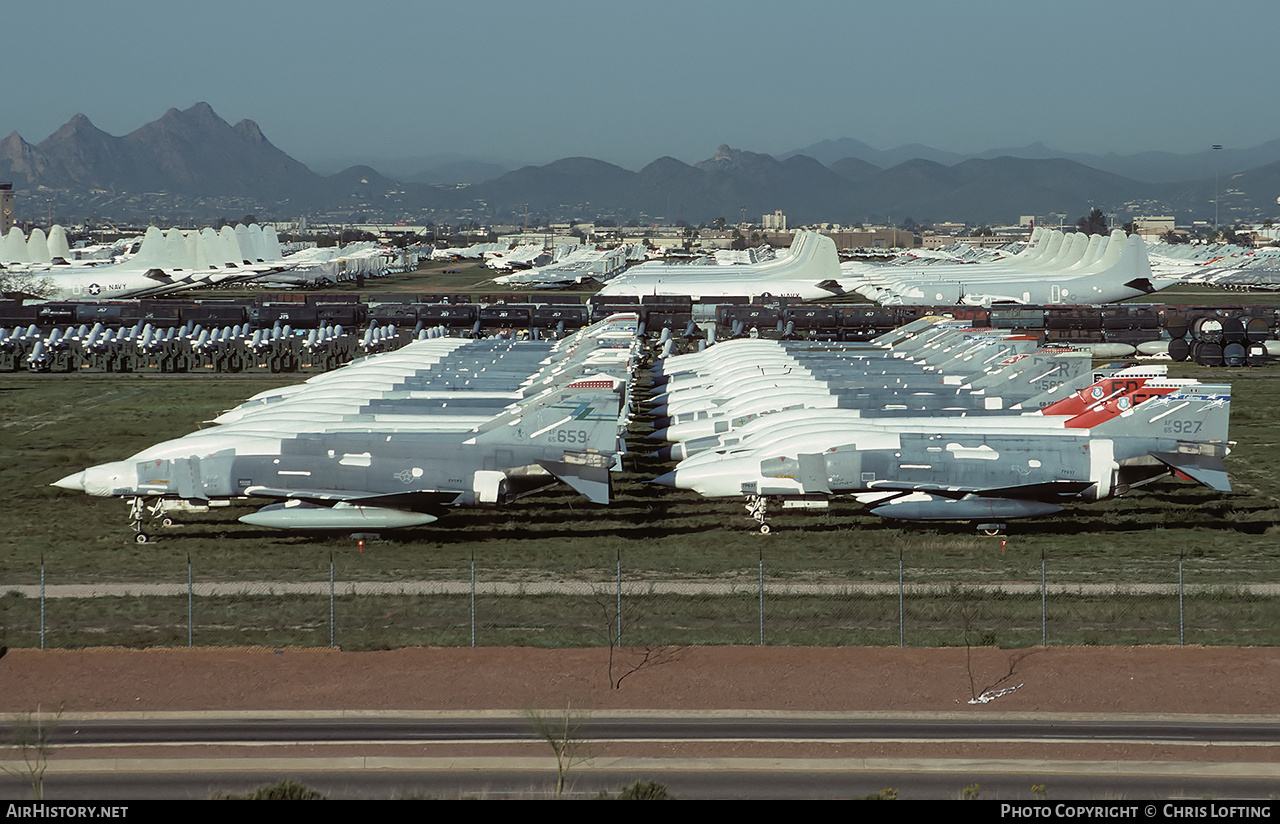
(942,241)
(776,222)
(1153,226)
(887,238)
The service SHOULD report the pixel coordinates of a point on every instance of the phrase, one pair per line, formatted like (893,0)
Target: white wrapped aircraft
(1054,269)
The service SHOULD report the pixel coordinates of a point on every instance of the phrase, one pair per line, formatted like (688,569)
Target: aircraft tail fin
(1061,392)
(1106,387)
(814,259)
(1133,268)
(912,331)
(582,416)
(1026,376)
(1199,413)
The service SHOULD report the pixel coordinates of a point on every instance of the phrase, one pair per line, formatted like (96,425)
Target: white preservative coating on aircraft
(165,262)
(1054,269)
(809,270)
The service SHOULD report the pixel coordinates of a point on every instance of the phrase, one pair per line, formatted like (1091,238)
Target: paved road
(345,755)
(777,726)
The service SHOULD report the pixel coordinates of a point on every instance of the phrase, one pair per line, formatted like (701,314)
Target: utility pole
(1216,148)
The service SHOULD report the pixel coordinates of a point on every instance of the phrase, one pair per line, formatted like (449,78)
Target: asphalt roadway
(756,755)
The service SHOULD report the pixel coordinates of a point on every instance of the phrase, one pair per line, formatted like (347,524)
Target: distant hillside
(192,152)
(184,156)
(1145,167)
(193,165)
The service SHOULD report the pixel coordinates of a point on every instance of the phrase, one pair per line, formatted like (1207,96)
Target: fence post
(762,595)
(1044,607)
(902,633)
(191,631)
(473,598)
(41,600)
(333,623)
(1182,633)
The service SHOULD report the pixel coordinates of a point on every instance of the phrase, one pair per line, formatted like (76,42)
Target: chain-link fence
(488,601)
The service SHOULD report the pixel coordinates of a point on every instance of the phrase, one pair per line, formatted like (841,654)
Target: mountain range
(191,165)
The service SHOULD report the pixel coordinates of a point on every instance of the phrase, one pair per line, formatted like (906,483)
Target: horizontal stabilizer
(831,286)
(592,482)
(1204,469)
(1142,285)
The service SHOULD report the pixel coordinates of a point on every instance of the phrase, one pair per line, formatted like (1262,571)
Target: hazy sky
(536,80)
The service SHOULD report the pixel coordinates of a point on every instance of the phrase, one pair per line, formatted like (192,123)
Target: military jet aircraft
(350,469)
(938,469)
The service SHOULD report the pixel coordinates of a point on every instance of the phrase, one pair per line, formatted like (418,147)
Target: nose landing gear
(758,507)
(145,509)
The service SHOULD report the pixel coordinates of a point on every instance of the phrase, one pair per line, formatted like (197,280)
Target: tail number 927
(1182,427)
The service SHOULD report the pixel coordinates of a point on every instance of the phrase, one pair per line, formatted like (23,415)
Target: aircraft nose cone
(657,435)
(668,479)
(75,482)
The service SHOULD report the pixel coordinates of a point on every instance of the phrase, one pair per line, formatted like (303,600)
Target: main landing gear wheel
(141,538)
(765,529)
(992,530)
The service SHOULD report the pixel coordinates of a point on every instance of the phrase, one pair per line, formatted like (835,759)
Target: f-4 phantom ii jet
(937,469)
(356,471)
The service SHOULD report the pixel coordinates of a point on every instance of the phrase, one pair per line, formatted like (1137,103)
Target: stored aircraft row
(1054,269)
(809,270)
(398,439)
(165,263)
(934,422)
